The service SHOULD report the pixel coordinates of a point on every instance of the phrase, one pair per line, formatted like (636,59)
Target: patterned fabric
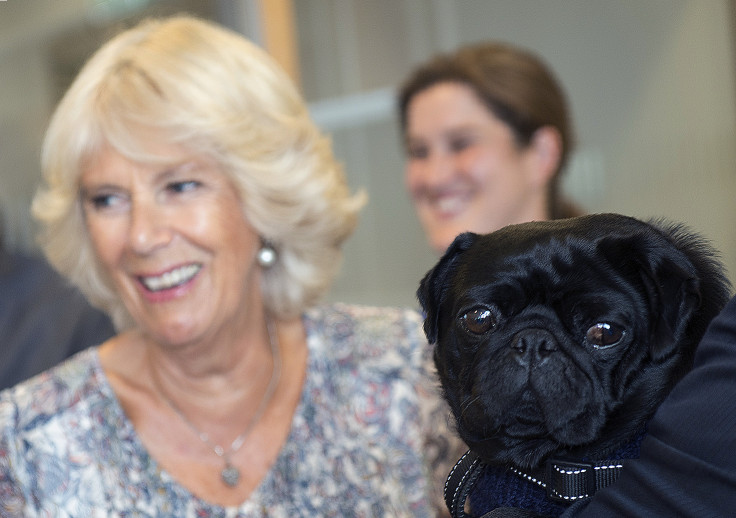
(369,436)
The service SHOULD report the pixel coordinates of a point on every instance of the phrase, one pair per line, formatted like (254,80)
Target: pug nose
(533,346)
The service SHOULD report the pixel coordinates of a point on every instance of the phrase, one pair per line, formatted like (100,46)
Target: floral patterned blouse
(369,437)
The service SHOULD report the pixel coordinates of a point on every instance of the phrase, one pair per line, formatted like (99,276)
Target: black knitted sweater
(497,486)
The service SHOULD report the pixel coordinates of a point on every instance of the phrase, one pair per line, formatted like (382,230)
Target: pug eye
(478,320)
(603,335)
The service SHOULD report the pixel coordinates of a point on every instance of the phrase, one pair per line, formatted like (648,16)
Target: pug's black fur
(562,337)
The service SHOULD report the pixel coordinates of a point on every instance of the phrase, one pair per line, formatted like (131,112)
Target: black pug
(556,341)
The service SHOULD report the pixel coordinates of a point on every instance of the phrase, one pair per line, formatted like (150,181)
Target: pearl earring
(266,256)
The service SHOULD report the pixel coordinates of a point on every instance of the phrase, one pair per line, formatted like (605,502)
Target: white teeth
(171,278)
(449,204)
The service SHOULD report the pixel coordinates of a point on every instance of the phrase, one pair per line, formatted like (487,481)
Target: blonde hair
(201,86)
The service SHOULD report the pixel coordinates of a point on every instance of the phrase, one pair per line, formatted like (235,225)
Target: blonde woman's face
(174,242)
(464,171)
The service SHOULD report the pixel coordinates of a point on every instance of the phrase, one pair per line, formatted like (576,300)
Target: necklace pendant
(230,475)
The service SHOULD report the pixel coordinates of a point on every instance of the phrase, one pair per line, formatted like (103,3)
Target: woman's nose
(149,226)
(436,169)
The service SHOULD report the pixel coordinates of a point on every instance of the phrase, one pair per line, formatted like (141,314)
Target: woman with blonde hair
(189,195)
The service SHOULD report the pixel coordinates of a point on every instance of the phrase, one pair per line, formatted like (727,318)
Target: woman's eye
(478,320)
(417,152)
(105,201)
(460,144)
(603,335)
(183,186)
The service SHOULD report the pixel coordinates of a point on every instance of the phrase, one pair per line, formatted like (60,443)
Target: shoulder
(369,315)
(679,444)
(57,431)
(39,402)
(368,332)
(372,352)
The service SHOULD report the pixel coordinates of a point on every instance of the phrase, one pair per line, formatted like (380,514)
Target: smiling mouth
(447,206)
(171,279)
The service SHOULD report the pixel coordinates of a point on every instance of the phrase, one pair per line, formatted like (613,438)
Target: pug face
(564,336)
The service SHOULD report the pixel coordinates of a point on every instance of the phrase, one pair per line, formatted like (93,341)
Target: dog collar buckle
(572,481)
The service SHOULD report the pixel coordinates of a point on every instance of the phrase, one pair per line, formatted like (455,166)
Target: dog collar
(564,481)
(568,481)
(460,482)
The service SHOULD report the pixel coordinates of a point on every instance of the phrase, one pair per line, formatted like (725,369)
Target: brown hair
(517,87)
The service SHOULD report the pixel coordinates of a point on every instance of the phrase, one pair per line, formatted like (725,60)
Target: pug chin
(561,338)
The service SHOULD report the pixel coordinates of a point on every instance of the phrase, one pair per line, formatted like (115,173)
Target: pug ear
(434,284)
(672,285)
(675,294)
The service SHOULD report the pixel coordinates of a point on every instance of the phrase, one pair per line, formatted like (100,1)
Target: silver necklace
(230,474)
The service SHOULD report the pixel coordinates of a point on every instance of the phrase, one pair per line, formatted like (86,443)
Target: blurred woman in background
(487,134)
